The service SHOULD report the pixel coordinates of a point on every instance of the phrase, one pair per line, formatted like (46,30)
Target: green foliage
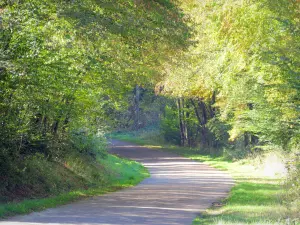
(169,126)
(62,63)
(147,135)
(65,66)
(70,187)
(247,52)
(89,144)
(219,130)
(82,163)
(35,176)
(293,187)
(150,109)
(68,70)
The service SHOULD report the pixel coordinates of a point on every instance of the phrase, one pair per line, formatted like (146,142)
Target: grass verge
(255,199)
(153,140)
(120,173)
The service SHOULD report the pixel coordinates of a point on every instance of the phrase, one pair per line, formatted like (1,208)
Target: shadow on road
(177,191)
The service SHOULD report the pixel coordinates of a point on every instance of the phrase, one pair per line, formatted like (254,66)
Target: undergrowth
(77,177)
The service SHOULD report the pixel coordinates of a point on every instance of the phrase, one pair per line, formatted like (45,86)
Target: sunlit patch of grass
(119,173)
(255,199)
(147,138)
(123,171)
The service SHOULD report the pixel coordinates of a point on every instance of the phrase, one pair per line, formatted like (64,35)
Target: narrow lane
(177,191)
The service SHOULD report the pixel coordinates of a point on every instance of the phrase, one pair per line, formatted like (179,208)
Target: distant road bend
(177,191)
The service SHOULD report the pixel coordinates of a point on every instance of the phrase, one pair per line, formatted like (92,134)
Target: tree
(247,54)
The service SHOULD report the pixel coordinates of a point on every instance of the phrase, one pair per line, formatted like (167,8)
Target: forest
(222,77)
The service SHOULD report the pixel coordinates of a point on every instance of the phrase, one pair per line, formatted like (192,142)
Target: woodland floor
(176,192)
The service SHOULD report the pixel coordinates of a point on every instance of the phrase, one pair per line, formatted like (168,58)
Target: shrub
(169,126)
(89,144)
(293,186)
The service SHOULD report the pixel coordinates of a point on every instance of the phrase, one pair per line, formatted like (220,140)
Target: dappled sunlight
(176,192)
(274,166)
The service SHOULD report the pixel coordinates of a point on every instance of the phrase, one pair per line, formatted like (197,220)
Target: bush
(169,126)
(66,165)
(89,144)
(293,186)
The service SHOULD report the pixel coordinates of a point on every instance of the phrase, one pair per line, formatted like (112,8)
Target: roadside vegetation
(256,197)
(54,184)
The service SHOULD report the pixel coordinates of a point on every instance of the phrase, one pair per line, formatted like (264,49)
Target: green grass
(150,139)
(119,173)
(141,137)
(255,198)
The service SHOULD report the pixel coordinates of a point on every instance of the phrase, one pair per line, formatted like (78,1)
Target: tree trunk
(201,119)
(137,108)
(184,121)
(188,128)
(181,122)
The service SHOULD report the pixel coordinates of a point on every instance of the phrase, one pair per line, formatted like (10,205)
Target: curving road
(177,191)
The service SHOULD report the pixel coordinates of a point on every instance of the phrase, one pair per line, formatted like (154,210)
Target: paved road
(177,191)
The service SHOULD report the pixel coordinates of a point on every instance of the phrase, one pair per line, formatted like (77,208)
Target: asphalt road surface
(178,190)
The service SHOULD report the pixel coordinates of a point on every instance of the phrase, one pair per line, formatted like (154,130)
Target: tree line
(238,80)
(242,71)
